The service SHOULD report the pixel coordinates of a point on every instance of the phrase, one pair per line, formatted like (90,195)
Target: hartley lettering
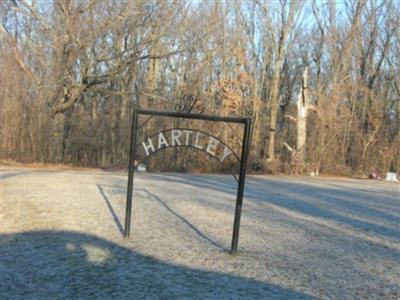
(188,138)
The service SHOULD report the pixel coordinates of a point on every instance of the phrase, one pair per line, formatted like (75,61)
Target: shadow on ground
(61,264)
(149,195)
(4,174)
(320,202)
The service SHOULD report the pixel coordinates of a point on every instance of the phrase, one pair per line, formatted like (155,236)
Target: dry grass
(301,238)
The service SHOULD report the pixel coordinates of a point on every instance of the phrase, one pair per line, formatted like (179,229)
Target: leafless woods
(322,78)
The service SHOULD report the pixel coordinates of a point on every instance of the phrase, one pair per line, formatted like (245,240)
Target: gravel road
(301,237)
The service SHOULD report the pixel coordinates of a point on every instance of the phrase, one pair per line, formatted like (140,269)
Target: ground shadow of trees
(62,264)
(306,199)
(4,174)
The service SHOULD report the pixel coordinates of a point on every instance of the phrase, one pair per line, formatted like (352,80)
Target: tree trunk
(303,105)
(280,53)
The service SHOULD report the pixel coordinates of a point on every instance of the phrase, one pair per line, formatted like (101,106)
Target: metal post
(129,196)
(242,177)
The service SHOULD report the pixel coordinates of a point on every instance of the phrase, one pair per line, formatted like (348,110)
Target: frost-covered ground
(301,238)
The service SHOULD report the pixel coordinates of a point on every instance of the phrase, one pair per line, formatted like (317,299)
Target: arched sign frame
(228,150)
(180,115)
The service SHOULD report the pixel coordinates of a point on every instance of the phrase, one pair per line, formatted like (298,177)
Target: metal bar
(242,178)
(192,116)
(144,122)
(129,196)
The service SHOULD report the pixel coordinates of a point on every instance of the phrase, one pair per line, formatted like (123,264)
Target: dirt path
(301,238)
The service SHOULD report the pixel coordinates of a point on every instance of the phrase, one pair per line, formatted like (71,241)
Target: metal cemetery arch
(243,158)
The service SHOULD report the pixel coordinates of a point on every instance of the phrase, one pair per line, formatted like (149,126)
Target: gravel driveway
(300,238)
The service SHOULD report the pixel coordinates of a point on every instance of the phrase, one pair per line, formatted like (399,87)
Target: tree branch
(288,147)
(290,118)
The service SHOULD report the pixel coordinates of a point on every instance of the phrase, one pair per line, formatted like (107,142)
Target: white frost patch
(96,255)
(70,247)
